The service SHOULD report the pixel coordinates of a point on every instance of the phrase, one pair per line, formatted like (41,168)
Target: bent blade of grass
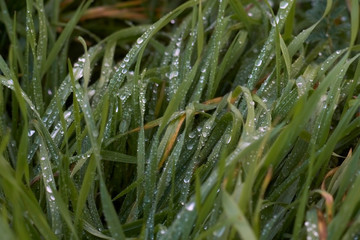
(86,69)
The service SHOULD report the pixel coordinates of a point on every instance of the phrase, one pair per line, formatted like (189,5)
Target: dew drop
(48,189)
(283,4)
(220,232)
(10,82)
(31,132)
(227,138)
(189,146)
(176,52)
(277,20)
(190,206)
(173,74)
(122,97)
(67,114)
(258,62)
(192,135)
(139,40)
(91,93)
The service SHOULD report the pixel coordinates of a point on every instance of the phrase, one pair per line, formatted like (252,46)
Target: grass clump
(220,120)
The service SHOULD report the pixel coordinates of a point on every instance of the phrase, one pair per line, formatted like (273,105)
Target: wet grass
(220,120)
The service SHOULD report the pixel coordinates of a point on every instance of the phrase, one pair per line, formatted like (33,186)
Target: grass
(220,120)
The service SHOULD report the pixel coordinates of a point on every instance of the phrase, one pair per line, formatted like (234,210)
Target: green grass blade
(354,21)
(62,38)
(110,214)
(239,221)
